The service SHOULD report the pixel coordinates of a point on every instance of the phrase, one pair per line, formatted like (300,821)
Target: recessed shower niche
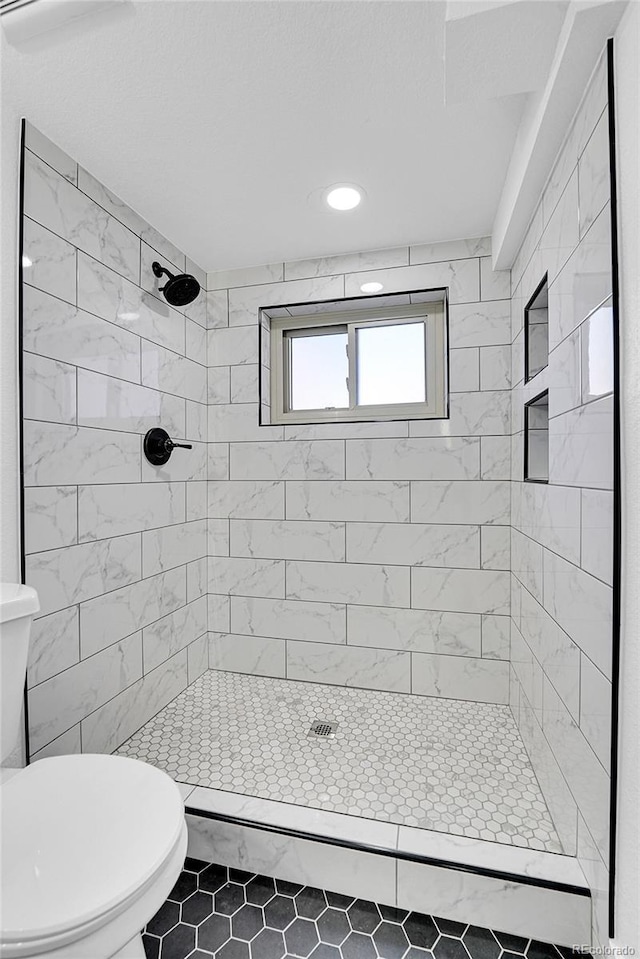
(536,331)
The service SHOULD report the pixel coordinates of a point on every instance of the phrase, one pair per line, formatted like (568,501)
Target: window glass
(391,364)
(319,371)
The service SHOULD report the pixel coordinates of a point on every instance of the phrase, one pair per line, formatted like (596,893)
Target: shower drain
(324,728)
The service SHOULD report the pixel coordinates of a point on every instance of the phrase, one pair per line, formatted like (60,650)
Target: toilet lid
(80,835)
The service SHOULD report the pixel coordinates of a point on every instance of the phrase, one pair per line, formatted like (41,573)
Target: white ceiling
(217,120)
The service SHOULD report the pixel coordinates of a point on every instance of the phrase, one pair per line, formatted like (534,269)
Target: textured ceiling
(217,121)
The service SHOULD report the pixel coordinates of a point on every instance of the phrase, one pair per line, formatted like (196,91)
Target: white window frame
(284,328)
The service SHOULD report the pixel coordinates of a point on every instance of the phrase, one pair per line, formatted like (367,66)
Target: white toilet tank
(18,605)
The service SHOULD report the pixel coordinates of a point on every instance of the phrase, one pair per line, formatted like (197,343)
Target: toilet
(91,845)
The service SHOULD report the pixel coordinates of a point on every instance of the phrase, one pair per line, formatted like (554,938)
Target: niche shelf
(536,331)
(536,439)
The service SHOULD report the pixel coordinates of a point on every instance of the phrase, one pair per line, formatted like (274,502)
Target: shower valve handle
(158,446)
(170,445)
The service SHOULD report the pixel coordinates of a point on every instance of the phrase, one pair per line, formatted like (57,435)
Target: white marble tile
(348,583)
(55,203)
(49,390)
(526,562)
(196,506)
(197,658)
(54,645)
(218,537)
(324,866)
(233,346)
(239,422)
(495,548)
(495,368)
(219,613)
(474,502)
(494,284)
(346,431)
(108,618)
(48,151)
(109,403)
(461,277)
(65,699)
(217,309)
(184,465)
(172,633)
(57,329)
(414,630)
(551,516)
(245,276)
(527,248)
(495,637)
(460,677)
(554,650)
(219,384)
(291,460)
(197,579)
(246,500)
(413,544)
(347,263)
(560,236)
(597,533)
(171,546)
(105,293)
(597,875)
(518,908)
(196,341)
(564,375)
(436,458)
(245,302)
(593,174)
(113,510)
(581,446)
(350,500)
(164,370)
(117,720)
(185,790)
(50,517)
(595,710)
(288,619)
(528,671)
(244,383)
(470,415)
(450,250)
(464,370)
(196,311)
(462,590)
(65,745)
(197,425)
(349,666)
(73,574)
(218,461)
(495,457)
(256,655)
(246,577)
(273,539)
(48,262)
(480,324)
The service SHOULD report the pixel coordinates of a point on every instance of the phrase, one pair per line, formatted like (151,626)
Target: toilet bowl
(91,844)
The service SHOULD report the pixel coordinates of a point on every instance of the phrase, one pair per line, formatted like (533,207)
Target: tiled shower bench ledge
(524,892)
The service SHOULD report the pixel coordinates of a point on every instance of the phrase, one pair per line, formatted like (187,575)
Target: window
(359,364)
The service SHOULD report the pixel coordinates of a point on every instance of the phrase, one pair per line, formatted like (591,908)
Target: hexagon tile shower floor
(448,765)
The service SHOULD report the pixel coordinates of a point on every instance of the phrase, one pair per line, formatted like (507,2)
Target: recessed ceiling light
(26,262)
(371,287)
(343,197)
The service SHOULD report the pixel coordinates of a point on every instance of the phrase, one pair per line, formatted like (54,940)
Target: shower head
(179,289)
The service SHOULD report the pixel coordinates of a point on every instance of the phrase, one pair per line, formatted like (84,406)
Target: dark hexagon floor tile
(186,885)
(421,930)
(541,950)
(280,912)
(310,903)
(151,946)
(234,949)
(415,953)
(510,942)
(323,951)
(214,932)
(241,876)
(391,941)
(449,927)
(448,948)
(229,899)
(333,926)
(260,890)
(195,865)
(268,944)
(301,937)
(286,888)
(247,923)
(338,900)
(358,946)
(363,916)
(197,954)
(213,878)
(481,943)
(393,914)
(178,943)
(166,917)
(511,955)
(197,907)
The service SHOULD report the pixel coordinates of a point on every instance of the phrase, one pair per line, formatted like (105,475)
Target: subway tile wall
(116,548)
(562,533)
(373,554)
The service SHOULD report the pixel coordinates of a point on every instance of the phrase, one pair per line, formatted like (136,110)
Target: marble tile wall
(116,548)
(373,554)
(561,547)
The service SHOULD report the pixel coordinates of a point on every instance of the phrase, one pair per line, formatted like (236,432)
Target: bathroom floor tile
(441,764)
(294,921)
